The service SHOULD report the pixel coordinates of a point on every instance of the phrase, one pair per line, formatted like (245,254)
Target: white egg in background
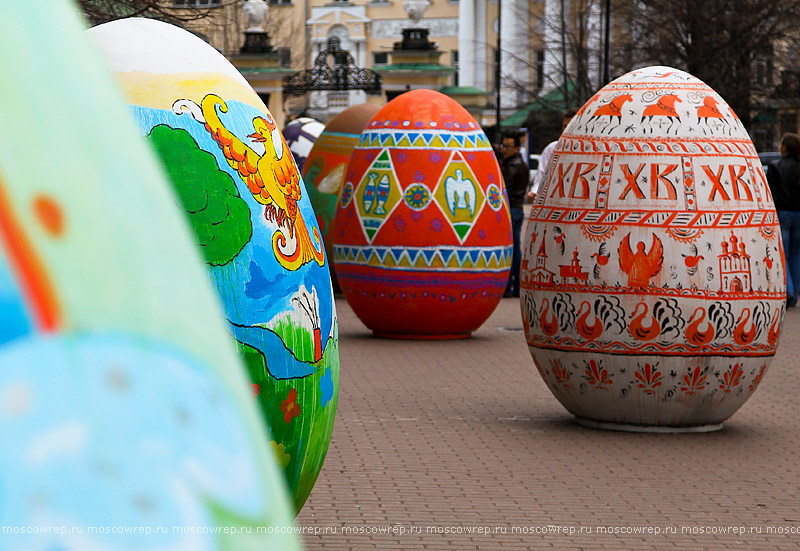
(652,274)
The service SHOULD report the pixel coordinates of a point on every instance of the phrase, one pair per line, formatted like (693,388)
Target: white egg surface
(653,281)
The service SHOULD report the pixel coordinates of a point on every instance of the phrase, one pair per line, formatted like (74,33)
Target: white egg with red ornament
(653,281)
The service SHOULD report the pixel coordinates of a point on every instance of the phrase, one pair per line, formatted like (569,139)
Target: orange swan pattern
(694,335)
(775,328)
(272,178)
(588,332)
(606,323)
(549,326)
(637,328)
(672,310)
(740,334)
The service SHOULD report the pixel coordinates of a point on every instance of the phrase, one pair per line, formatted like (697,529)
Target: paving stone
(461,435)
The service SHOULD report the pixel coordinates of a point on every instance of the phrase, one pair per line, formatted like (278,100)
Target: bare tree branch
(103,11)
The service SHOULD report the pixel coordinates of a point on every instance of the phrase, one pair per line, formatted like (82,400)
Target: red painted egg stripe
(32,277)
(425,106)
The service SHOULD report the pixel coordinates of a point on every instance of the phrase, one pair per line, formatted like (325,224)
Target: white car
(533,167)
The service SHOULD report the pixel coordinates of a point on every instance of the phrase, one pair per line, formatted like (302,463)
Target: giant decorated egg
(324,168)
(652,273)
(300,135)
(126,418)
(325,165)
(422,234)
(244,197)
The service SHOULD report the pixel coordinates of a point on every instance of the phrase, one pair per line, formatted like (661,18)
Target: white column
(514,39)
(594,42)
(466,43)
(552,44)
(482,63)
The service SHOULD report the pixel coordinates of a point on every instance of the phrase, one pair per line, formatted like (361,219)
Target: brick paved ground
(464,434)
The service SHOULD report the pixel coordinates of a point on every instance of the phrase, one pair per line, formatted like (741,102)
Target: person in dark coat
(515,174)
(784,185)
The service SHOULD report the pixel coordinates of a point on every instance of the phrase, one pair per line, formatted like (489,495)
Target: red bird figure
(740,334)
(775,329)
(587,331)
(559,237)
(638,329)
(692,260)
(694,334)
(768,262)
(601,257)
(547,321)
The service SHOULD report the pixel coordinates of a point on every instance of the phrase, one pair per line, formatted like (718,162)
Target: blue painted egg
(243,195)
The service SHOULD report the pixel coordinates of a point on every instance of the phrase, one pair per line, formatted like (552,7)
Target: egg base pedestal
(422,336)
(404,304)
(662,429)
(650,393)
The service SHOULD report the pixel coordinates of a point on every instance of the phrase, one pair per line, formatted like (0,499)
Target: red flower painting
(289,406)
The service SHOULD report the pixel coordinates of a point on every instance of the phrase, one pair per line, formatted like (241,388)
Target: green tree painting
(218,214)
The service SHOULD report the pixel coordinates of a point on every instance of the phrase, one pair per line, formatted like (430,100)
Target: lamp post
(606,76)
(497,73)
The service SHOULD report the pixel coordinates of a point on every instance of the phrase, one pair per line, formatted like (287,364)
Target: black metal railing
(343,75)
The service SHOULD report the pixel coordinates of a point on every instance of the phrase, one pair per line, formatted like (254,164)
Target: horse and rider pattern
(653,247)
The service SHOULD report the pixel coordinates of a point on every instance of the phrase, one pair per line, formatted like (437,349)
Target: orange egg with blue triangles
(422,233)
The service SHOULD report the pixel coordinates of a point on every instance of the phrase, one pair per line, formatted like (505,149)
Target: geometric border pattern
(656,218)
(493,259)
(424,139)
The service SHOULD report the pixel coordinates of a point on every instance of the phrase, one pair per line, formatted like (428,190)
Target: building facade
(465,34)
(545,45)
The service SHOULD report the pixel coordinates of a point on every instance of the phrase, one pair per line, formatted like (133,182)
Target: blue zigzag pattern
(436,258)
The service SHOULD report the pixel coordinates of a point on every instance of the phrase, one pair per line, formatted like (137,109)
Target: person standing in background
(515,174)
(784,184)
(547,153)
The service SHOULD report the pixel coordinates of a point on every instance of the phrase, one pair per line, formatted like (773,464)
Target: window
(788,122)
(341,59)
(391,94)
(454,63)
(539,68)
(495,59)
(380,58)
(285,58)
(196,3)
(764,68)
(338,100)
(280,2)
(264,96)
